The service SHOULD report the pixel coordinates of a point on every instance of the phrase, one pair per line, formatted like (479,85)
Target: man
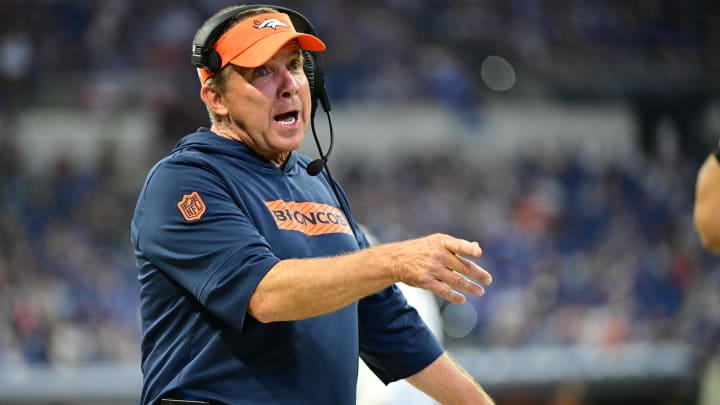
(707,223)
(254,287)
(707,202)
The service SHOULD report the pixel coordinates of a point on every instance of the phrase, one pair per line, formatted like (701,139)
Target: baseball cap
(255,40)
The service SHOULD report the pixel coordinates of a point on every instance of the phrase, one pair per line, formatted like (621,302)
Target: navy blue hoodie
(212,219)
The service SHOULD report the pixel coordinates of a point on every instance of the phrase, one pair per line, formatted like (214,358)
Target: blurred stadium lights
(497,73)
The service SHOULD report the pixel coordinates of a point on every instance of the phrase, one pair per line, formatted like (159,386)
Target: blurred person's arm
(707,204)
(448,383)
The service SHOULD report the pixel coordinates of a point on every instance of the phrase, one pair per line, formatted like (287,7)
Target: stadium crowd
(581,253)
(391,49)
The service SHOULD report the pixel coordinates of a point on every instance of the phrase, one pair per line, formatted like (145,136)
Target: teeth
(288,120)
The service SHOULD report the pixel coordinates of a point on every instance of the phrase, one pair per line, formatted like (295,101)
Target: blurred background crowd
(583,252)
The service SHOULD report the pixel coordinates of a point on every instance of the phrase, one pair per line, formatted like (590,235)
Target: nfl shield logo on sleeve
(191,206)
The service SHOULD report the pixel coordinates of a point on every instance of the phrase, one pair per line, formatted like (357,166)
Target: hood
(208,142)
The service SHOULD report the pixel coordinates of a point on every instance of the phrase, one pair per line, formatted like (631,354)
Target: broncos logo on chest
(310,218)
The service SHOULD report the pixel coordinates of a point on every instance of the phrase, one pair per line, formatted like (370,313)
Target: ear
(213,99)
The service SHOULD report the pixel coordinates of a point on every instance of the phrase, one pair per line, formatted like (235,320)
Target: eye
(295,65)
(260,71)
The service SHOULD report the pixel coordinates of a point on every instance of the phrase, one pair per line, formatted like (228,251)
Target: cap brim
(262,51)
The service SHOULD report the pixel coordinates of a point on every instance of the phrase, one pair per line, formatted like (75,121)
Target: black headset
(203,55)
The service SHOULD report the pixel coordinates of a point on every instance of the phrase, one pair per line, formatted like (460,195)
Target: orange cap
(255,40)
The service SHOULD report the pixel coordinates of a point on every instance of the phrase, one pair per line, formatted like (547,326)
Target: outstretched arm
(707,204)
(448,383)
(302,288)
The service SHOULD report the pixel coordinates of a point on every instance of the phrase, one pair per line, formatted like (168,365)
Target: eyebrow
(296,53)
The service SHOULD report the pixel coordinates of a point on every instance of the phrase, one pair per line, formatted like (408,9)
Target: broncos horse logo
(269,23)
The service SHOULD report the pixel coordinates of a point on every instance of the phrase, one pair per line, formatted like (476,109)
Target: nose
(289,85)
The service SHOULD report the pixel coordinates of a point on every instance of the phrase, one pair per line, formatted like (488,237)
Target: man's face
(269,106)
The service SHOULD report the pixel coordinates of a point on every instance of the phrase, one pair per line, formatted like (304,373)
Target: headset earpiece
(203,56)
(212,60)
(309,68)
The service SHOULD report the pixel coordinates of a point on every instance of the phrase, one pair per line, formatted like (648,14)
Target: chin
(290,144)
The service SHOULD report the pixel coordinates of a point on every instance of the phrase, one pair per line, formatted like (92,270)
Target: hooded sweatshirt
(212,218)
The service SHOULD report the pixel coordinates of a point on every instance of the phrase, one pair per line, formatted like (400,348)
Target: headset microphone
(316,166)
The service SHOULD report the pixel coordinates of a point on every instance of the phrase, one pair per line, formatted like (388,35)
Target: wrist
(387,259)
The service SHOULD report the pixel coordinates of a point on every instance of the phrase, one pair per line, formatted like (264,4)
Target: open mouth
(287,118)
